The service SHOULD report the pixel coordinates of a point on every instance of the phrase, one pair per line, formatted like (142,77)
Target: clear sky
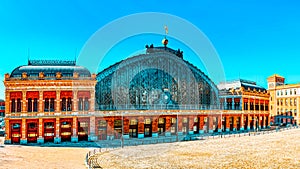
(253,38)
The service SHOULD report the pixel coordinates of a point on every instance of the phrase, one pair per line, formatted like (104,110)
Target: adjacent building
(48,101)
(248,98)
(284,101)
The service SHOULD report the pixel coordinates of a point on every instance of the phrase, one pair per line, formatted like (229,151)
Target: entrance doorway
(15,132)
(49,130)
(117,129)
(66,129)
(32,132)
(102,129)
(148,128)
(83,130)
(161,126)
(133,128)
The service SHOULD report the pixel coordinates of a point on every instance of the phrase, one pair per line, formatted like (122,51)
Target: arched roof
(50,68)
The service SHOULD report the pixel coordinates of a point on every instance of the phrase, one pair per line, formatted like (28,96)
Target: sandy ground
(15,156)
(275,150)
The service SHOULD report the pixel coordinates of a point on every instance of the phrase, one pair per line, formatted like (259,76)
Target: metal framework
(159,79)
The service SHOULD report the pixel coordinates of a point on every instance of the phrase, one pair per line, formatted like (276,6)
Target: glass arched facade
(156,80)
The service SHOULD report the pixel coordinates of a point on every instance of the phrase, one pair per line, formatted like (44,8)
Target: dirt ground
(275,150)
(15,156)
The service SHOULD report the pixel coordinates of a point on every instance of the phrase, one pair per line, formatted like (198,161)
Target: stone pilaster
(74,137)
(24,102)
(179,122)
(219,124)
(234,123)
(92,100)
(7,131)
(141,127)
(210,124)
(92,131)
(168,126)
(154,127)
(57,100)
(7,102)
(264,121)
(227,123)
(57,138)
(242,122)
(40,138)
(75,100)
(201,124)
(23,132)
(248,122)
(41,101)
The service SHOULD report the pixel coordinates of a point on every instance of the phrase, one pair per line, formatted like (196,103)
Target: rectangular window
(196,120)
(69,104)
(35,105)
(29,105)
(173,120)
(84,124)
(118,123)
(161,121)
(147,121)
(63,104)
(32,125)
(49,125)
(133,122)
(102,123)
(86,104)
(19,105)
(52,105)
(46,105)
(184,120)
(80,104)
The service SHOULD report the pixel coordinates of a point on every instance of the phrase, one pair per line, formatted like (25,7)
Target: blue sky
(254,38)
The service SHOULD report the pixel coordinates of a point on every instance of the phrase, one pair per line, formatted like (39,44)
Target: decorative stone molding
(24,76)
(41,75)
(76,75)
(7,76)
(58,75)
